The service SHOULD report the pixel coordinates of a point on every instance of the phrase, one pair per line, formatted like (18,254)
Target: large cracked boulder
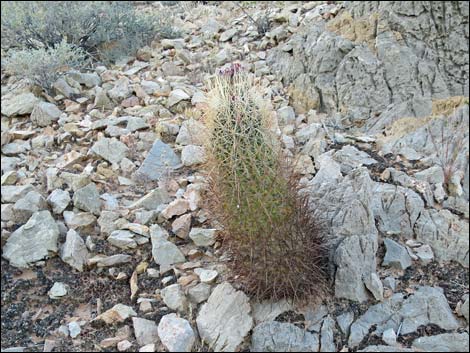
(378,58)
(345,204)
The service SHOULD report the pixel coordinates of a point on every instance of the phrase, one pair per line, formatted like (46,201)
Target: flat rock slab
(19,105)
(225,320)
(447,342)
(160,161)
(282,337)
(427,306)
(110,149)
(32,241)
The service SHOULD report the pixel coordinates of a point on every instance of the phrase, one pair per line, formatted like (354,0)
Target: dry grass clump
(276,247)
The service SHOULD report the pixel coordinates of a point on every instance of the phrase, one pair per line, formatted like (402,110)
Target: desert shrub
(44,66)
(449,137)
(275,244)
(262,22)
(103,29)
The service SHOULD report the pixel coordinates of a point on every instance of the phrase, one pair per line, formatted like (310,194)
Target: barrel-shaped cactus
(275,245)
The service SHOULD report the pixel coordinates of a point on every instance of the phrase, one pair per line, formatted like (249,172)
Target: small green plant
(276,247)
(44,66)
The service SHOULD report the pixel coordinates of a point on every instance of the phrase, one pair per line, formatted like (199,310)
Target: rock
(108,261)
(177,96)
(57,291)
(349,157)
(193,155)
(181,226)
(148,348)
(304,165)
(20,104)
(106,221)
(118,313)
(102,100)
(344,322)
(386,349)
(202,237)
(433,175)
(267,310)
(282,337)
(110,149)
(31,203)
(59,200)
(62,87)
(74,329)
(123,346)
(446,342)
(164,252)
(396,209)
(176,334)
(426,306)
(121,90)
(390,337)
(286,115)
(464,308)
(145,331)
(44,114)
(446,233)
(8,164)
(192,132)
(454,185)
(355,258)
(210,27)
(396,255)
(88,199)
(152,200)
(389,282)
(175,208)
(222,57)
(327,343)
(206,276)
(79,221)
(314,317)
(89,79)
(199,293)
(227,35)
(16,147)
(174,298)
(425,254)
(172,43)
(345,203)
(9,178)
(12,193)
(33,241)
(74,251)
(224,321)
(123,239)
(160,161)
(375,286)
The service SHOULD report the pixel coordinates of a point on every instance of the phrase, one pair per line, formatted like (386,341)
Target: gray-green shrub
(43,66)
(103,29)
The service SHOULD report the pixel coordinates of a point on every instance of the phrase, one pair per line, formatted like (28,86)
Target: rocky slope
(107,243)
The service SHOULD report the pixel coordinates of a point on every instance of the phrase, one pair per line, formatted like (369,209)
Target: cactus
(275,245)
